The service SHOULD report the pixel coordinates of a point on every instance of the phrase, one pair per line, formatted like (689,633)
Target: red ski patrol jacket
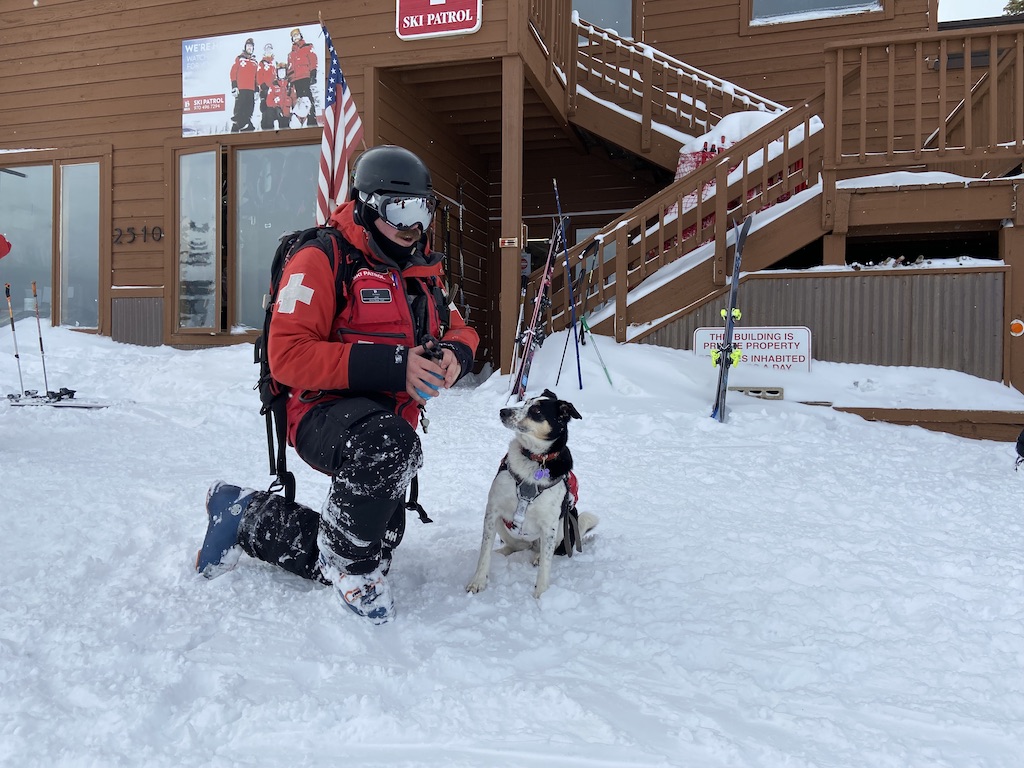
(243,73)
(266,72)
(301,60)
(360,347)
(277,96)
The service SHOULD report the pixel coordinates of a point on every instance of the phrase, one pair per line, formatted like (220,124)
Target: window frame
(749,28)
(172,306)
(102,154)
(225,147)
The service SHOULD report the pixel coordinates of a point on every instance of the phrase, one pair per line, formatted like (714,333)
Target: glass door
(199,251)
(79,245)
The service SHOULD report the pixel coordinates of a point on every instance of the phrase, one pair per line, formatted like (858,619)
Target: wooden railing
(947,101)
(765,168)
(550,24)
(655,85)
(951,101)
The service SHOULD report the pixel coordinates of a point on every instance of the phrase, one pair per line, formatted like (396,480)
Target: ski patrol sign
(417,19)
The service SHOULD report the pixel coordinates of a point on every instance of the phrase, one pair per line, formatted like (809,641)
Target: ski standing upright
(534,334)
(725,356)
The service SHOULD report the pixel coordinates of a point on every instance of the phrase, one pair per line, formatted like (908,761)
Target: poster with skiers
(264,80)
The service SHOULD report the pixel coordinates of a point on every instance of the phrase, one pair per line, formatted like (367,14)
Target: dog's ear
(568,410)
(549,394)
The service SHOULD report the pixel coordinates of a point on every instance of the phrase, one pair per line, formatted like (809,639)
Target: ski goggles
(404,211)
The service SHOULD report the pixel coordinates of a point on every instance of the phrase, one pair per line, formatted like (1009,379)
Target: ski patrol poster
(261,80)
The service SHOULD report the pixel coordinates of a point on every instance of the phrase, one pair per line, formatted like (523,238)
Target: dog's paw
(477,585)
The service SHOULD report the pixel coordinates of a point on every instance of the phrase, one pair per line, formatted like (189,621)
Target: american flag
(342,131)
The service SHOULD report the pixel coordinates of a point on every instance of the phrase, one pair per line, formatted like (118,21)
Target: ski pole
(10,311)
(39,327)
(566,346)
(568,281)
(586,327)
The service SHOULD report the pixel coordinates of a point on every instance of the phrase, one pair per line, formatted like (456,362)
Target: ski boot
(225,505)
(365,594)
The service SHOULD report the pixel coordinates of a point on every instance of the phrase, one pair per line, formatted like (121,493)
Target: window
(26,200)
(227,234)
(764,9)
(198,242)
(80,245)
(50,211)
(276,194)
(616,15)
(765,15)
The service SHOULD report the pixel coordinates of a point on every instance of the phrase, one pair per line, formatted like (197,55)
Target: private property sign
(787,348)
(417,19)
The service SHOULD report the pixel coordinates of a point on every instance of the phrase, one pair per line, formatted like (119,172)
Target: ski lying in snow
(41,401)
(725,356)
(63,398)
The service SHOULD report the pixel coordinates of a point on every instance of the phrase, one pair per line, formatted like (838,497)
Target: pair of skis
(726,355)
(63,397)
(534,334)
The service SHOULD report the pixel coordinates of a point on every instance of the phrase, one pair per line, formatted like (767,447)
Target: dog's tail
(588,522)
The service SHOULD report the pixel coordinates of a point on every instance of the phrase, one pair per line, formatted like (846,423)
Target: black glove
(264,90)
(312,75)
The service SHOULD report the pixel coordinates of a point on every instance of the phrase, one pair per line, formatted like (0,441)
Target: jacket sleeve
(461,340)
(301,352)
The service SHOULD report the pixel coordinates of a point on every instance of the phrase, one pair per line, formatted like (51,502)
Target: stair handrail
(737,93)
(648,237)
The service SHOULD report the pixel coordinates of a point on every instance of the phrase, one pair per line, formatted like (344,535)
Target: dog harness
(529,488)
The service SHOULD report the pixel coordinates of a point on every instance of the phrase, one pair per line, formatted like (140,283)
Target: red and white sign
(787,349)
(193,104)
(417,19)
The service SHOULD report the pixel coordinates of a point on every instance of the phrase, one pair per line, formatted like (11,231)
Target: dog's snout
(507,413)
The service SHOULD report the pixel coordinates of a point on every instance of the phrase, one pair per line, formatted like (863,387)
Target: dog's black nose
(506,413)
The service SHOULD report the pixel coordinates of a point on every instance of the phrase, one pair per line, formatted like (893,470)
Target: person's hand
(234,91)
(424,377)
(451,367)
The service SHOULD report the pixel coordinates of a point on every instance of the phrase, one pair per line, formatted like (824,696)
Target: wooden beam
(1011,251)
(512,83)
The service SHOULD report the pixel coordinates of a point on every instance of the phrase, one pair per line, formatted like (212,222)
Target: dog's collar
(540,458)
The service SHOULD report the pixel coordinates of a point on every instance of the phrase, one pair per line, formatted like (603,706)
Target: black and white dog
(532,502)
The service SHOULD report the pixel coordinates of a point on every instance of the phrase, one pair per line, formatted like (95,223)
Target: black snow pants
(371,455)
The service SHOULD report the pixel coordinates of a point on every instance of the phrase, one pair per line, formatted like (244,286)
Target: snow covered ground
(796,587)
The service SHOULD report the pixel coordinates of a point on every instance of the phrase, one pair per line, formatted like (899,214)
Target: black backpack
(274,394)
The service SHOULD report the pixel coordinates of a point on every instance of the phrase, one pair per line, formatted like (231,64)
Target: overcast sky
(952,10)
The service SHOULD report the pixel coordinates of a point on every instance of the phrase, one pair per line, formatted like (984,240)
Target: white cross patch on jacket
(293,293)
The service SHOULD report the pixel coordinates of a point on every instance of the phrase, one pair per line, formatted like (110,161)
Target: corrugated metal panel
(929,319)
(137,321)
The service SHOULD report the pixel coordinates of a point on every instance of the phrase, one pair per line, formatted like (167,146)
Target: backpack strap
(276,400)
(285,480)
(413,503)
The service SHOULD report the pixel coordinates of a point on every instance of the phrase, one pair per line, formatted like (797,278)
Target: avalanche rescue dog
(532,502)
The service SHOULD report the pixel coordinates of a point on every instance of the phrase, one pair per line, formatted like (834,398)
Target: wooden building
(153,233)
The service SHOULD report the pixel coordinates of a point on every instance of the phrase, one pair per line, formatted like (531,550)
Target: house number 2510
(131,234)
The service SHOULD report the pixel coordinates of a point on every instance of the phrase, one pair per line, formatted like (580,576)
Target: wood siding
(783,62)
(92,72)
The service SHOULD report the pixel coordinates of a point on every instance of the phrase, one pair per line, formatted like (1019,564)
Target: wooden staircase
(669,255)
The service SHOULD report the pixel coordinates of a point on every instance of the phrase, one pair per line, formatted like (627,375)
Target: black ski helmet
(390,168)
